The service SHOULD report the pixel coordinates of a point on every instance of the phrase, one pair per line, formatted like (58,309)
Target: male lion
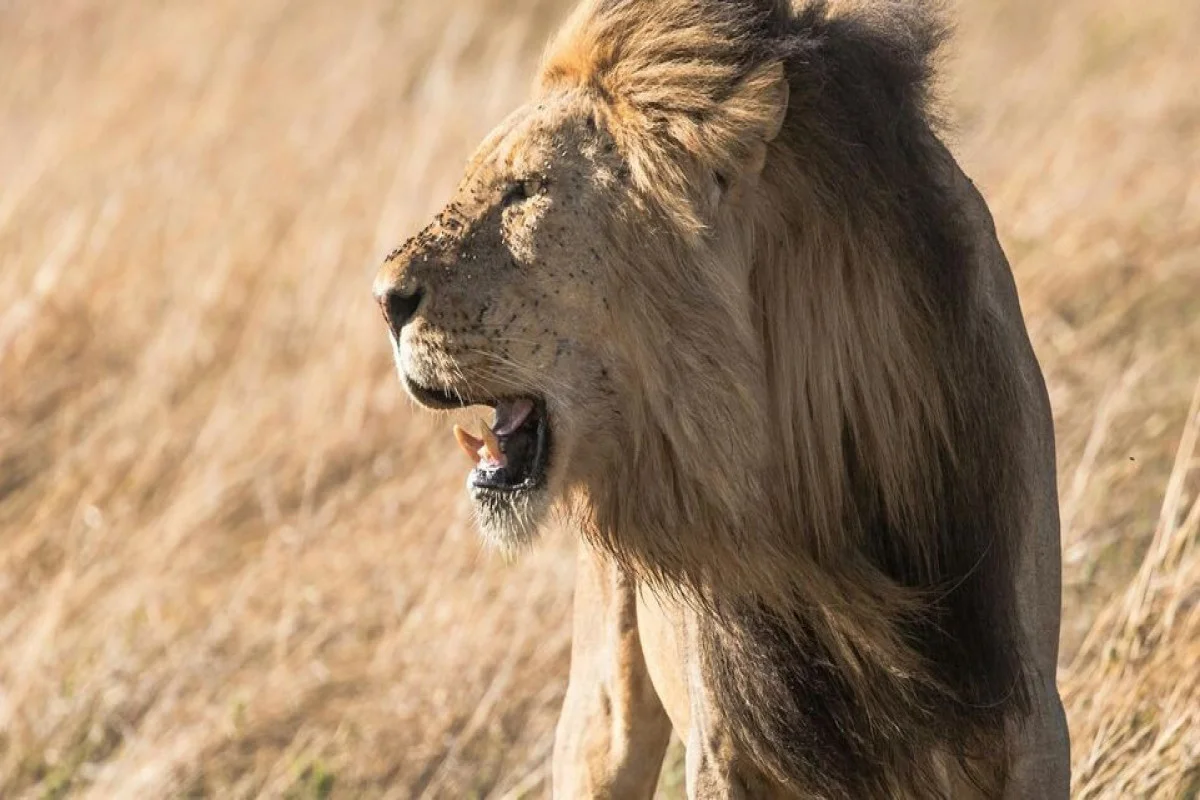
(742,317)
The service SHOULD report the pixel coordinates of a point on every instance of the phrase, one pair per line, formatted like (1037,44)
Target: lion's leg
(1040,762)
(613,731)
(714,771)
(711,770)
(715,768)
(1036,764)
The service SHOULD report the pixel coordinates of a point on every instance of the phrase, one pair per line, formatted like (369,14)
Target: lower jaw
(509,520)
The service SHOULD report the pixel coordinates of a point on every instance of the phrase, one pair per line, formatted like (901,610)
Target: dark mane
(861,146)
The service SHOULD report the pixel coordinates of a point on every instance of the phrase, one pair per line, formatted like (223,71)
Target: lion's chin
(509,520)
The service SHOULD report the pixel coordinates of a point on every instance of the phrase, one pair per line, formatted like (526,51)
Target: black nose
(399,307)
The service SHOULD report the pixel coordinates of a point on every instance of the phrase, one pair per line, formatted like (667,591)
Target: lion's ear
(759,108)
(775,93)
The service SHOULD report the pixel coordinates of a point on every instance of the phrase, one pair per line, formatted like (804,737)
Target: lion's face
(503,301)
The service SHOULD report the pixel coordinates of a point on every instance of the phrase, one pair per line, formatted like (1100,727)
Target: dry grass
(234,563)
(1134,688)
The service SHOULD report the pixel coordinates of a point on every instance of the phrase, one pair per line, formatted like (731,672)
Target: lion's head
(504,301)
(584,281)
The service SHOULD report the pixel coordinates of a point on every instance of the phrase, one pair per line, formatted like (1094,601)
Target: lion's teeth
(491,447)
(469,444)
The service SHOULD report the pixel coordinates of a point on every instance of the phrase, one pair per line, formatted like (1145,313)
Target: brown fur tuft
(822,439)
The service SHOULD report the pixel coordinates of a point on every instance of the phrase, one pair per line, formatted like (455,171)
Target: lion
(748,332)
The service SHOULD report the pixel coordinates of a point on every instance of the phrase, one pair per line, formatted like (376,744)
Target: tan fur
(793,404)
(613,730)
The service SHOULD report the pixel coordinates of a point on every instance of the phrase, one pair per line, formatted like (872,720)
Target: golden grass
(1134,686)
(234,563)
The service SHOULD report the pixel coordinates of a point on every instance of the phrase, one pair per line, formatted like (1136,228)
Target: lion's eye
(523,190)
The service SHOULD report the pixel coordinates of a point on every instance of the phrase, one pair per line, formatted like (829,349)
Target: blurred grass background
(235,563)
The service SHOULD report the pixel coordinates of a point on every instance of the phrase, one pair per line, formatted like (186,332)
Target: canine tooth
(491,446)
(469,444)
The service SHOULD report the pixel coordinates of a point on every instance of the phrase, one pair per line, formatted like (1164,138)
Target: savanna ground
(234,562)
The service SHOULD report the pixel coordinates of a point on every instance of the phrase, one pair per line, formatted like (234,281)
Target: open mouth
(511,454)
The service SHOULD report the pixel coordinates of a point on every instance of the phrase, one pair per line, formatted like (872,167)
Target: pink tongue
(510,415)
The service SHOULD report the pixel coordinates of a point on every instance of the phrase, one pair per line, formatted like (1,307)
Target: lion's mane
(822,439)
